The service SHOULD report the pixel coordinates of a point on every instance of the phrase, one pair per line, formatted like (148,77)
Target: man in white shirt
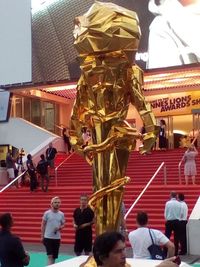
(109,250)
(182,224)
(172,217)
(140,238)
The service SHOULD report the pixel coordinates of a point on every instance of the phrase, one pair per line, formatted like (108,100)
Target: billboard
(169,32)
(175,103)
(15,41)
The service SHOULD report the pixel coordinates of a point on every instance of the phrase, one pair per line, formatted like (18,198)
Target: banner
(175,104)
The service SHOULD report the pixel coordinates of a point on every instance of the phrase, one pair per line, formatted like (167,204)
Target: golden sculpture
(107,38)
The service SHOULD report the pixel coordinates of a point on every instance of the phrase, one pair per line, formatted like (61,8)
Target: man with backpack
(42,169)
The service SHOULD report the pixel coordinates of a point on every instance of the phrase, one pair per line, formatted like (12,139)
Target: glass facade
(40,112)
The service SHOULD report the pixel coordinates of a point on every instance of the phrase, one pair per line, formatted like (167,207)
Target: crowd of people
(112,250)
(53,221)
(32,172)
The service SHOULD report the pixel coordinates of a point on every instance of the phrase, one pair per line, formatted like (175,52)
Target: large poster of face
(169,32)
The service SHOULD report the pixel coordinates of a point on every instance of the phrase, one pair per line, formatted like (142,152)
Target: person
(19,160)
(53,222)
(183,224)
(173,30)
(32,173)
(190,164)
(109,250)
(42,169)
(172,215)
(12,253)
(86,136)
(65,134)
(162,135)
(10,165)
(83,219)
(50,155)
(140,238)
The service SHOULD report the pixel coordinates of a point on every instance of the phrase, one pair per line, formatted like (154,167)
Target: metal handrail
(12,182)
(56,169)
(147,185)
(180,162)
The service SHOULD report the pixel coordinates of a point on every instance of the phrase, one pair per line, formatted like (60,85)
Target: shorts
(52,246)
(11,173)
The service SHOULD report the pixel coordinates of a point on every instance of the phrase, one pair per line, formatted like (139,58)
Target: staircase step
(74,177)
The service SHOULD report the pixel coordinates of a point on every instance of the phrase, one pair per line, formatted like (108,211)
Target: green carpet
(39,259)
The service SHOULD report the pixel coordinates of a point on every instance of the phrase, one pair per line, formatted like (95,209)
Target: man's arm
(89,223)
(20,253)
(171,249)
(62,224)
(43,226)
(165,213)
(74,224)
(168,263)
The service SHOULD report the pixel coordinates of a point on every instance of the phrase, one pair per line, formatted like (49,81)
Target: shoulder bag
(155,250)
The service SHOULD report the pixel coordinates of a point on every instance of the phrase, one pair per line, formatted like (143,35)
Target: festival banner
(175,103)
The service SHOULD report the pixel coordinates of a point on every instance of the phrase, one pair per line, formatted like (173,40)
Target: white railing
(162,165)
(180,162)
(12,182)
(56,169)
(36,156)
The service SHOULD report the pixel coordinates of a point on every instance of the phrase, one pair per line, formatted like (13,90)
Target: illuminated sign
(175,104)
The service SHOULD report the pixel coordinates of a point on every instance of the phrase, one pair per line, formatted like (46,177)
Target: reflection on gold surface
(107,38)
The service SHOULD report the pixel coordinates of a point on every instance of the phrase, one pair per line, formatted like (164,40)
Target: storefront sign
(175,104)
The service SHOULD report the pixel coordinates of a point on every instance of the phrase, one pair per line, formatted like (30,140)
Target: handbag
(155,250)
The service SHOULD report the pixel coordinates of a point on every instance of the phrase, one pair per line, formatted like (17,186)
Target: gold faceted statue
(106,38)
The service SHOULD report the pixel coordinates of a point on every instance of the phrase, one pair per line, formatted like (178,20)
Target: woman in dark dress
(66,139)
(162,136)
(32,173)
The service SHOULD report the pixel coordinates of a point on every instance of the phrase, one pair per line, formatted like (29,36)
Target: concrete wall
(35,140)
(21,133)
(193,230)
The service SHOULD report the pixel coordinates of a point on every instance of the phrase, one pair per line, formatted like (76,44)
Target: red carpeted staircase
(75,177)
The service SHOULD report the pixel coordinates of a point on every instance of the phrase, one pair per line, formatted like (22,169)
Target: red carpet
(75,177)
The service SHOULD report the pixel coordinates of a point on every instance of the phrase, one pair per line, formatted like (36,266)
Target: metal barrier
(56,169)
(162,165)
(12,182)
